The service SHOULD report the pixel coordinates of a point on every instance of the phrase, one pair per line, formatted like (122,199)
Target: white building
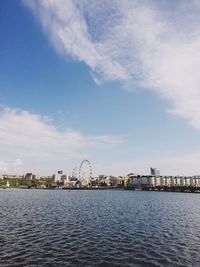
(58,176)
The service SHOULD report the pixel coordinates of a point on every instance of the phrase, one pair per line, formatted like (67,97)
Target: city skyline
(114,82)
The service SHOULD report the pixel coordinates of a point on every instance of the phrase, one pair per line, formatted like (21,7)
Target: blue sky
(115,83)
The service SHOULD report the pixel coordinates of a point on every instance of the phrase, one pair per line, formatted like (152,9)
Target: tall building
(154,172)
(30,176)
(58,176)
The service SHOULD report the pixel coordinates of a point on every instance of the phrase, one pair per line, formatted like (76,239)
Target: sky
(115,82)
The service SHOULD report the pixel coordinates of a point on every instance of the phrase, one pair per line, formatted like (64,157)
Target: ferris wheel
(85,170)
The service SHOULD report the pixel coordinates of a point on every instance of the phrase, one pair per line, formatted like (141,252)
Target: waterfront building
(122,181)
(111,180)
(30,176)
(197,180)
(176,181)
(193,181)
(65,179)
(10,176)
(152,181)
(164,182)
(167,180)
(134,180)
(58,176)
(71,182)
(158,180)
(187,181)
(85,182)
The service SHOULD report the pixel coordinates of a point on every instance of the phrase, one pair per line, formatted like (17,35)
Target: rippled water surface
(99,228)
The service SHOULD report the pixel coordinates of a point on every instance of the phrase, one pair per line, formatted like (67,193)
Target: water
(99,228)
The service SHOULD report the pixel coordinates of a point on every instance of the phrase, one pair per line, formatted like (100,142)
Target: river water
(99,228)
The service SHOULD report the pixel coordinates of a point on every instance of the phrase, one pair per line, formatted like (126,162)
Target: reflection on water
(99,228)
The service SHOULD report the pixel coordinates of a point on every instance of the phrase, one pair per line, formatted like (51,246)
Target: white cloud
(4,166)
(9,166)
(153,45)
(30,142)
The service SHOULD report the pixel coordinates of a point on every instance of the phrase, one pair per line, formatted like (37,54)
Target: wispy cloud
(145,43)
(30,140)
